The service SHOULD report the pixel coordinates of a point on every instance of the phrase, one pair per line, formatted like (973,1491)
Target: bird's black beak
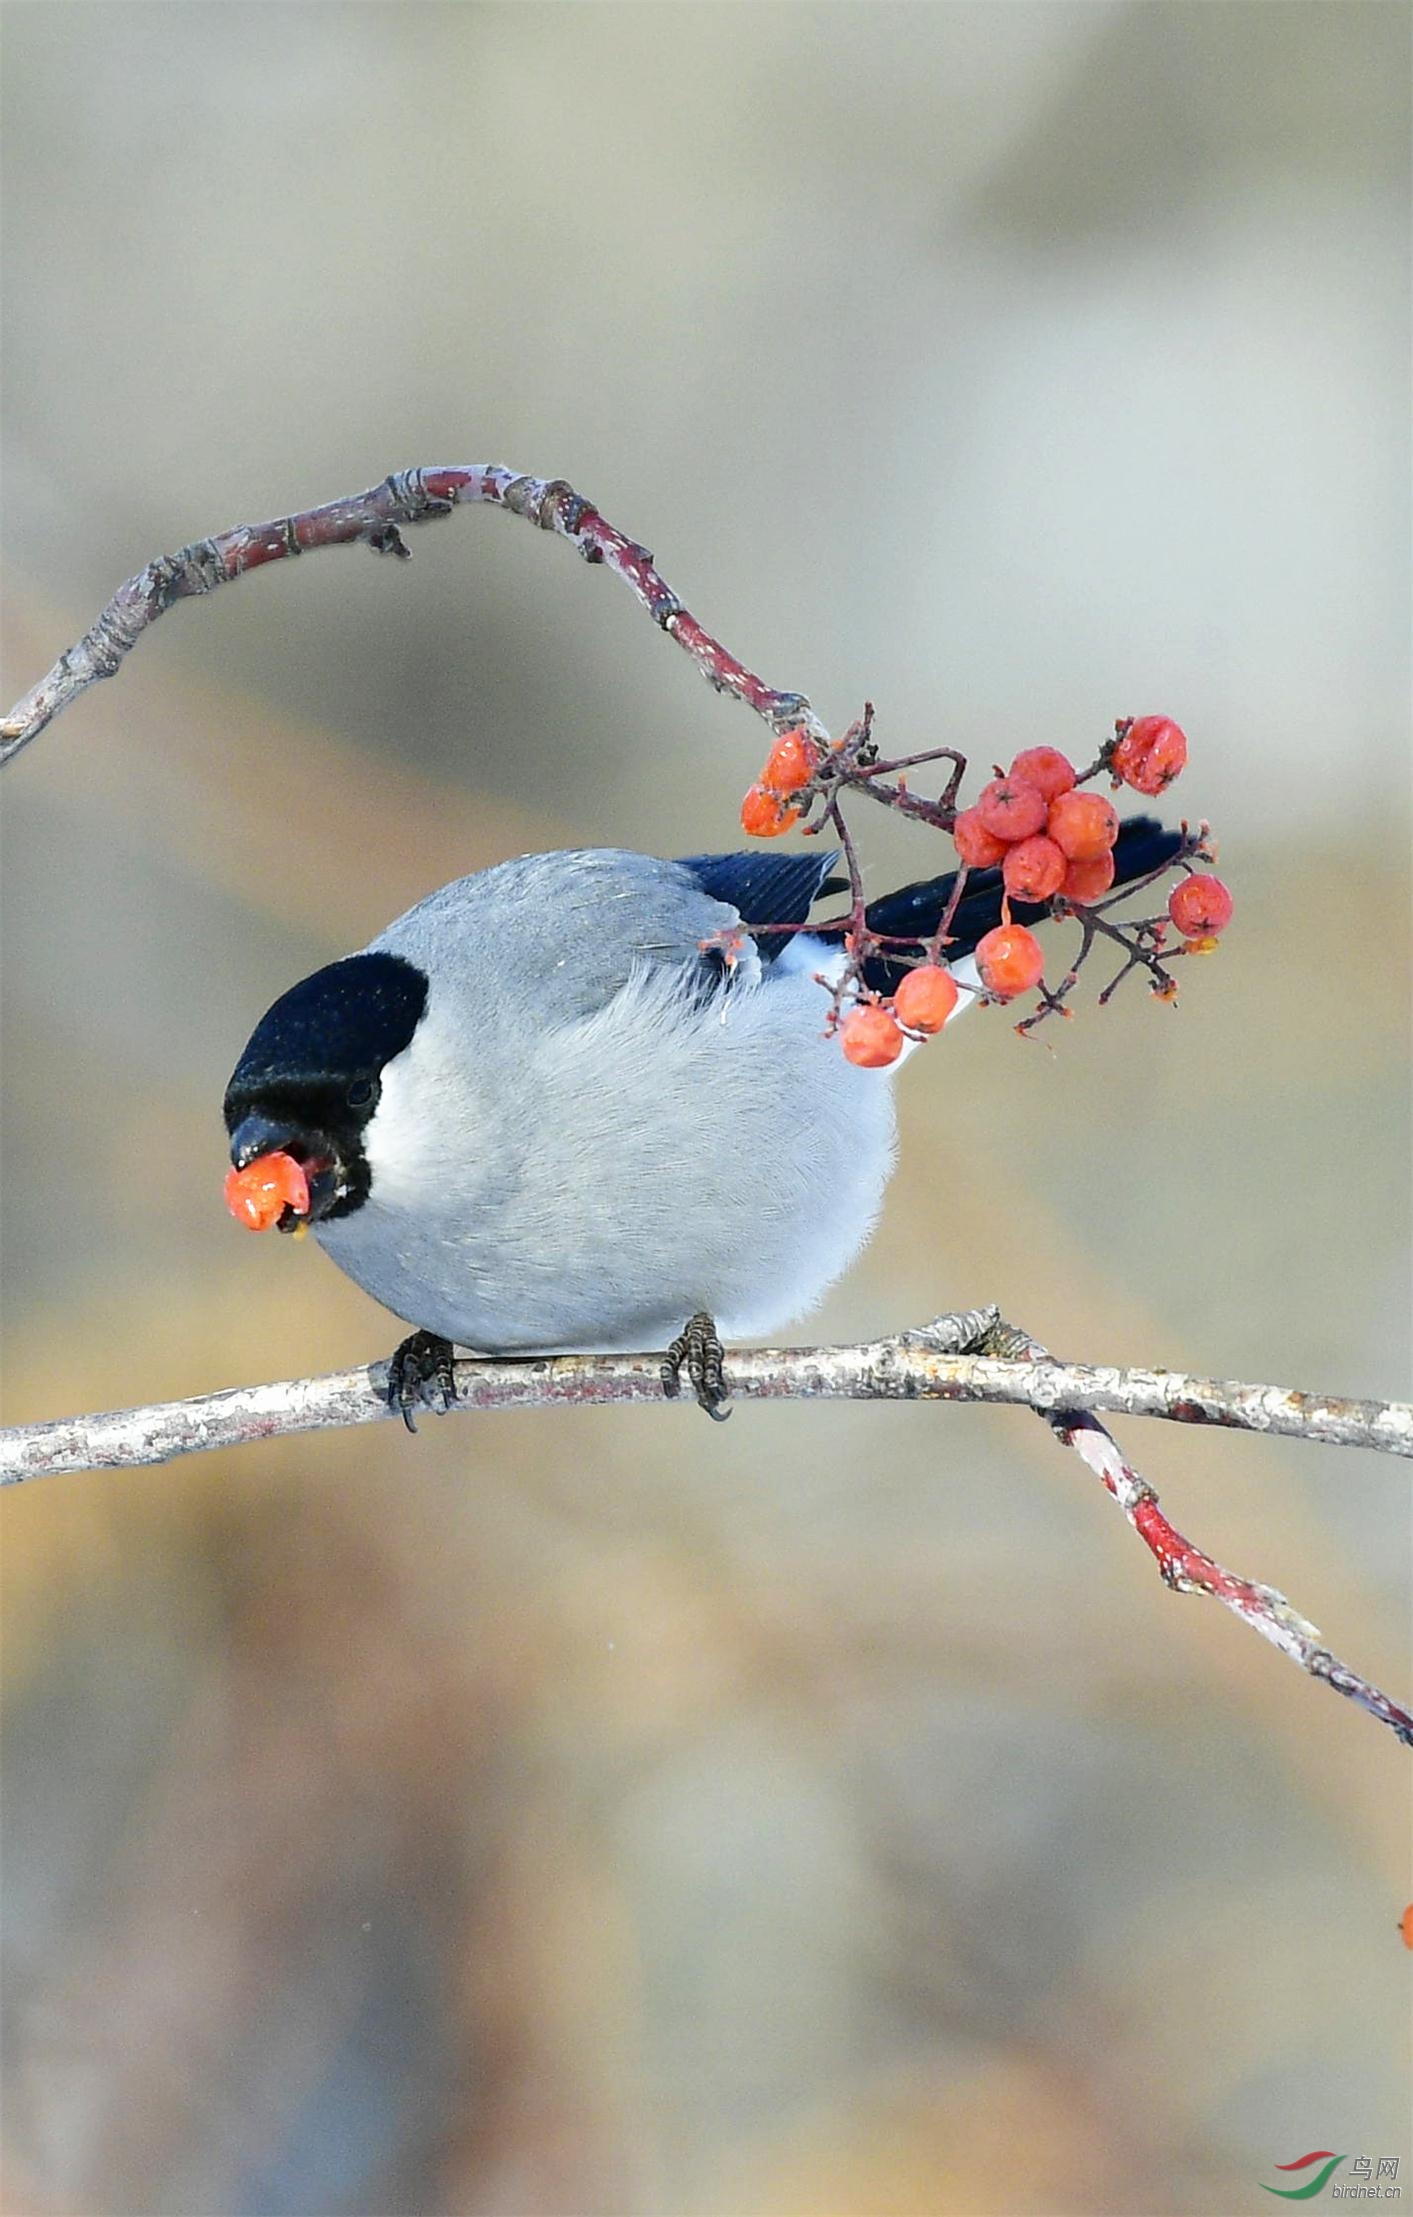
(260,1135)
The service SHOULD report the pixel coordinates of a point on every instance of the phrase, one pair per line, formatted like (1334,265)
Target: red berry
(1010,960)
(764,814)
(1051,772)
(1150,754)
(1200,907)
(1033,869)
(1405,1926)
(792,762)
(1089,881)
(1083,825)
(978,847)
(258,1195)
(926,998)
(869,1037)
(1010,809)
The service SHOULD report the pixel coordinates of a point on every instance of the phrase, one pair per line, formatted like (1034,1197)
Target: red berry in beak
(258,1195)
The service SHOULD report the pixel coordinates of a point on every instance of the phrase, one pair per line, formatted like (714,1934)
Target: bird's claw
(423,1361)
(698,1349)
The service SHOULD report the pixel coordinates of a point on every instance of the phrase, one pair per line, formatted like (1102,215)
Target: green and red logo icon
(1312,2187)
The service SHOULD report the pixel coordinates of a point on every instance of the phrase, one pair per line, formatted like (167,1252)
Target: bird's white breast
(592,1184)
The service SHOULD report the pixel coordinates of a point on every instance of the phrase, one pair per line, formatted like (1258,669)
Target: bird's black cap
(312,1068)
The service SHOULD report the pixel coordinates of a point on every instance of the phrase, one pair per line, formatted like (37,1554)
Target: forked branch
(976,1356)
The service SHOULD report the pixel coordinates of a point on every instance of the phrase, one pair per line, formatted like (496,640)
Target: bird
(587,1100)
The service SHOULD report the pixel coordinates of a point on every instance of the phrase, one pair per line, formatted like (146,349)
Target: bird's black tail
(914,911)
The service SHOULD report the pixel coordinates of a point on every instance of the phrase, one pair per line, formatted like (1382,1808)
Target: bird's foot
(698,1349)
(422,1375)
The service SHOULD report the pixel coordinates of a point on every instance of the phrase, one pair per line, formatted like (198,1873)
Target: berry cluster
(1051,840)
(874,1031)
(766,810)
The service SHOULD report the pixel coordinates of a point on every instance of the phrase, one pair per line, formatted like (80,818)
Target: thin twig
(377,519)
(1189,1569)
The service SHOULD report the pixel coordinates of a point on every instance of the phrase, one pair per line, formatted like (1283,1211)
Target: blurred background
(603,1812)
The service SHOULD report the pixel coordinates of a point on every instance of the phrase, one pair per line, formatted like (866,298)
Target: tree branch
(915,1366)
(976,1356)
(376,519)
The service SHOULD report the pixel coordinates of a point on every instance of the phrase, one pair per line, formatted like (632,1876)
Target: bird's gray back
(549,938)
(579,1147)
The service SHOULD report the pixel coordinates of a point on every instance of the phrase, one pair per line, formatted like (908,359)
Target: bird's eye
(360,1093)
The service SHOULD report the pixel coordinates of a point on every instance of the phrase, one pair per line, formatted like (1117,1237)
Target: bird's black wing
(916,910)
(763,888)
